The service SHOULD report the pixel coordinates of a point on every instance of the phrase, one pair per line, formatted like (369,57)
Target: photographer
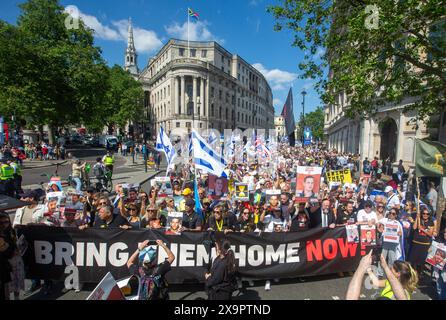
(142,263)
(221,281)
(401,280)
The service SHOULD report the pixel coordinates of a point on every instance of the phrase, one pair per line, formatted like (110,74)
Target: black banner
(94,252)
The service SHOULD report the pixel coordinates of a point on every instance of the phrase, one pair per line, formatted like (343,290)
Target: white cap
(388,189)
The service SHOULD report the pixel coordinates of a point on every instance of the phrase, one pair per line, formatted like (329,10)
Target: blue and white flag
(163,144)
(212,138)
(205,158)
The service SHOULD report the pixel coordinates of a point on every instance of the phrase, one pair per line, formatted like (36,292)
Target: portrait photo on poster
(164,186)
(308,182)
(368,235)
(174,223)
(436,255)
(217,187)
(352,233)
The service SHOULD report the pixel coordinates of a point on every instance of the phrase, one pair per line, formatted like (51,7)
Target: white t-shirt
(393,201)
(433,195)
(363,216)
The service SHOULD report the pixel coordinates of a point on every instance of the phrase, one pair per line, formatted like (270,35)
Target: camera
(376,254)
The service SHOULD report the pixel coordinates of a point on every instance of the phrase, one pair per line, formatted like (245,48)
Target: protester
(7,251)
(220,280)
(191,221)
(389,248)
(423,229)
(106,219)
(153,285)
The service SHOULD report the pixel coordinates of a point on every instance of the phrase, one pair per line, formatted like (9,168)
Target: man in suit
(323,217)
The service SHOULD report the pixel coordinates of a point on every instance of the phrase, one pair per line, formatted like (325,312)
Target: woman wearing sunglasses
(423,230)
(133,216)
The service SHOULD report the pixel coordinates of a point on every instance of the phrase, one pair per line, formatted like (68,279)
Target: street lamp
(303,114)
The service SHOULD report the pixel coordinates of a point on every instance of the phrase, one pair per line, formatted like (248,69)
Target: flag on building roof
(193,14)
(288,116)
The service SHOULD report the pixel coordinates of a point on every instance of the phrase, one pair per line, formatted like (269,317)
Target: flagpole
(188,44)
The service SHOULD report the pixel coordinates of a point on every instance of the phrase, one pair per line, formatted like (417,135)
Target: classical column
(202,100)
(207,98)
(400,138)
(176,104)
(182,95)
(194,96)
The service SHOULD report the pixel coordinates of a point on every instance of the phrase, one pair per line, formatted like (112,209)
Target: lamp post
(303,114)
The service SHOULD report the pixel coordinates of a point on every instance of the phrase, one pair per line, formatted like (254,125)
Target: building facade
(390,133)
(202,85)
(279,125)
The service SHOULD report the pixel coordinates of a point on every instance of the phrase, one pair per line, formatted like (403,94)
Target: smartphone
(376,254)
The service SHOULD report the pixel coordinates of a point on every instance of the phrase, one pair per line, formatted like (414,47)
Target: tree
(50,74)
(379,52)
(315,121)
(123,100)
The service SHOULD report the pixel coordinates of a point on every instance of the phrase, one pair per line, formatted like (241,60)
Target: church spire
(131,63)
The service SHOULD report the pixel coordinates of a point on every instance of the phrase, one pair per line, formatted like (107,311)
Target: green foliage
(314,120)
(404,58)
(50,74)
(124,98)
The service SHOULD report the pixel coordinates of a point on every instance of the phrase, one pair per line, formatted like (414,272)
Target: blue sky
(242,26)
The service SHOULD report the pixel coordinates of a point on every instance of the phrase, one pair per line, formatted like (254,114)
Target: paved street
(124,169)
(331,287)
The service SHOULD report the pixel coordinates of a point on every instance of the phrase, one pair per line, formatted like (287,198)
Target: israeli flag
(163,144)
(212,138)
(205,158)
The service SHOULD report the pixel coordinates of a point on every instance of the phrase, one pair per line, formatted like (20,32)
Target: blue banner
(308,136)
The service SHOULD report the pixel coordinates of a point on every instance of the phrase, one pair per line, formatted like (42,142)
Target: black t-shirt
(117,221)
(191,221)
(343,217)
(297,225)
(420,236)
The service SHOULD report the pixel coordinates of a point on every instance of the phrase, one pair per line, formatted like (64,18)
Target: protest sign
(217,187)
(174,222)
(164,186)
(59,196)
(271,192)
(241,192)
(107,289)
(261,256)
(342,176)
(368,235)
(436,255)
(308,182)
(352,233)
(390,233)
(365,179)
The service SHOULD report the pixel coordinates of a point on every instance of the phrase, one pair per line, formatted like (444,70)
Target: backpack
(98,171)
(153,287)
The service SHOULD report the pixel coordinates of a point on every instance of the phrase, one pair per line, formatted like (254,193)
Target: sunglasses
(103,203)
(217,211)
(132,210)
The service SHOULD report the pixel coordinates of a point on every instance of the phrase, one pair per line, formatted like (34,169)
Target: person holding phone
(143,263)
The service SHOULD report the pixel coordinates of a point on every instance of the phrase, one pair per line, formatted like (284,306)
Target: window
(238,116)
(193,52)
(212,110)
(222,68)
(212,92)
(188,125)
(201,125)
(204,53)
(220,94)
(181,52)
(222,59)
(128,58)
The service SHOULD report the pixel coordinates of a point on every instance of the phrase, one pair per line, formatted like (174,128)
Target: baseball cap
(187,192)
(388,189)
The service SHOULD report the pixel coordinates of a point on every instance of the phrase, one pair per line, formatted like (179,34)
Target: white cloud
(278,102)
(198,31)
(145,40)
(254,3)
(278,79)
